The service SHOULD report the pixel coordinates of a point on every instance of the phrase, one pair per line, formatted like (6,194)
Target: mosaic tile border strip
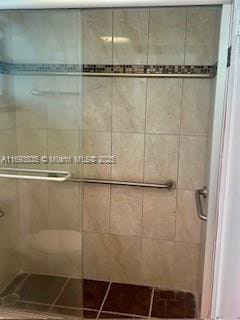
(134,70)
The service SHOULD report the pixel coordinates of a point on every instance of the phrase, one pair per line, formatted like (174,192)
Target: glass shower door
(41,139)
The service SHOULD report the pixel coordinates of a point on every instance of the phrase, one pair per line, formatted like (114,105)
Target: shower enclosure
(110,141)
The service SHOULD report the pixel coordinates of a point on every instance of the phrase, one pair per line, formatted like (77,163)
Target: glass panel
(141,244)
(41,114)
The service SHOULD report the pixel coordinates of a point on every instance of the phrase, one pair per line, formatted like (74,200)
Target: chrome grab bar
(170,184)
(50,175)
(198,194)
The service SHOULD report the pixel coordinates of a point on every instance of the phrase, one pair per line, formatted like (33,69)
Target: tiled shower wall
(9,230)
(157,129)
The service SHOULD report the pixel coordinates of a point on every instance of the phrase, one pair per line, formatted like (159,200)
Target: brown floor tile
(175,309)
(159,304)
(72,294)
(41,288)
(14,284)
(67,311)
(115,316)
(31,306)
(131,299)
(94,293)
(90,314)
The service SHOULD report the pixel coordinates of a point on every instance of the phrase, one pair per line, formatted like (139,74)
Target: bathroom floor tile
(131,299)
(122,301)
(31,306)
(67,311)
(90,314)
(108,315)
(94,293)
(173,304)
(41,288)
(72,294)
(14,284)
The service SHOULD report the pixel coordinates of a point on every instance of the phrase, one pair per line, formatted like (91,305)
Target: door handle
(201,193)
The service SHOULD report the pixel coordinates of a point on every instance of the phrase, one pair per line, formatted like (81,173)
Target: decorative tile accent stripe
(14,68)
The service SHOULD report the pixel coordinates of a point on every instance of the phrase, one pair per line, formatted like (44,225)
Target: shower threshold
(93,299)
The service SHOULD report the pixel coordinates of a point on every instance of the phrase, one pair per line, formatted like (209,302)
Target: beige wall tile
(97,144)
(130,36)
(31,109)
(67,147)
(60,47)
(185,266)
(157,263)
(96,256)
(167,35)
(7,108)
(129,98)
(97,103)
(192,162)
(63,103)
(32,142)
(188,226)
(161,158)
(159,208)
(97,36)
(201,35)
(8,145)
(126,210)
(128,148)
(63,206)
(164,106)
(27,34)
(197,96)
(96,208)
(66,258)
(125,259)
(33,206)
(5,42)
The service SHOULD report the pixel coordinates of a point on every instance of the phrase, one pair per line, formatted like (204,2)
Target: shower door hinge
(229,56)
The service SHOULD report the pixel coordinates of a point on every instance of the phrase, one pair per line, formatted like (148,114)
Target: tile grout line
(104,300)
(60,292)
(21,283)
(151,303)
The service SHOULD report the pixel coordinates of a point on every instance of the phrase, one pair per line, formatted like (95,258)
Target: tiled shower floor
(99,299)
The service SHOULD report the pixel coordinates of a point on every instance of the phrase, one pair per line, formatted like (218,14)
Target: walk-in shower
(108,118)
